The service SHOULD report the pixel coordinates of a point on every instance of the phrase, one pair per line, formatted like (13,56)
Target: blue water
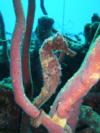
(69,15)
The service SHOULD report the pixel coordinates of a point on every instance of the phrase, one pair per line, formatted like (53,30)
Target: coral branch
(78,86)
(42,7)
(25,48)
(74,114)
(16,71)
(26,62)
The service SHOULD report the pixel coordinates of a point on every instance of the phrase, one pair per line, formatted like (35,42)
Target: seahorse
(51,66)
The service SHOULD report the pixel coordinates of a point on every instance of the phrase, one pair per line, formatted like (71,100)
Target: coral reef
(89,118)
(64,112)
(9,112)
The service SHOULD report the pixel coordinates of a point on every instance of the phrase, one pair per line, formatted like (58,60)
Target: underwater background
(58,44)
(69,15)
